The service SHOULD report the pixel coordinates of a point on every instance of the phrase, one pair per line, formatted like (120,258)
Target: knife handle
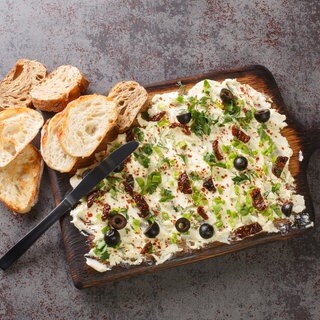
(28,240)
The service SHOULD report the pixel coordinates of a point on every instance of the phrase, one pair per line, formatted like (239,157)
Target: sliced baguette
(85,124)
(20,180)
(131,99)
(51,150)
(18,127)
(63,85)
(16,86)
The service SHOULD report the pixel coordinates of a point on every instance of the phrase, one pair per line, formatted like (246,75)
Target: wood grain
(307,141)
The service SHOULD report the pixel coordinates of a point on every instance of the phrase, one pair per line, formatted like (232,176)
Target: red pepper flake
(215,146)
(279,166)
(248,230)
(89,214)
(257,200)
(202,213)
(236,132)
(184,184)
(105,212)
(157,116)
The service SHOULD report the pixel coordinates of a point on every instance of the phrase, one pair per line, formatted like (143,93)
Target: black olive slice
(117,221)
(182,225)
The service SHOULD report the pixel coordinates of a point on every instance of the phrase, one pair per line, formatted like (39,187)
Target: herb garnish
(200,123)
(149,186)
(241,178)
(101,250)
(142,159)
(166,195)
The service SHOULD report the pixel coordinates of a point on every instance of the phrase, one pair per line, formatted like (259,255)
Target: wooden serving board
(307,141)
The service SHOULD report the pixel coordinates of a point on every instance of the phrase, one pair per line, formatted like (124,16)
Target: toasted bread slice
(51,150)
(131,99)
(86,122)
(16,86)
(20,180)
(63,85)
(18,127)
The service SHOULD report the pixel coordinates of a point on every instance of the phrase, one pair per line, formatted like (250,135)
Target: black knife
(107,165)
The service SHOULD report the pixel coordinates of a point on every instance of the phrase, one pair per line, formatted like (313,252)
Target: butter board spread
(212,166)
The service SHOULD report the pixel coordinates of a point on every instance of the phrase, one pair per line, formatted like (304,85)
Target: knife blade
(107,165)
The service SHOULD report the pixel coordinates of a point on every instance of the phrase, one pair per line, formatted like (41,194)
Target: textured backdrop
(153,41)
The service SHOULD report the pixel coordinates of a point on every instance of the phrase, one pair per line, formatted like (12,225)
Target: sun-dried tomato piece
(92,197)
(279,166)
(185,128)
(248,230)
(105,212)
(157,116)
(130,135)
(141,204)
(215,146)
(209,185)
(257,200)
(147,248)
(138,198)
(236,132)
(129,184)
(202,213)
(184,184)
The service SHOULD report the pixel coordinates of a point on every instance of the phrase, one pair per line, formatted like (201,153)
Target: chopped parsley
(200,123)
(147,149)
(210,158)
(245,121)
(138,133)
(142,159)
(166,195)
(241,178)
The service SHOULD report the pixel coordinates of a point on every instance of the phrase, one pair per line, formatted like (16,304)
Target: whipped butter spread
(203,157)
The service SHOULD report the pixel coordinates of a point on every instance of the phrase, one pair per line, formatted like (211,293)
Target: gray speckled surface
(153,41)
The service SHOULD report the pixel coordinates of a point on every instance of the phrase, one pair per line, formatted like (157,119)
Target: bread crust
(26,172)
(16,132)
(64,135)
(15,88)
(49,136)
(131,98)
(79,86)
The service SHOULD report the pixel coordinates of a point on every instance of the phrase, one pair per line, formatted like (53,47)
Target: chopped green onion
(136,225)
(165,216)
